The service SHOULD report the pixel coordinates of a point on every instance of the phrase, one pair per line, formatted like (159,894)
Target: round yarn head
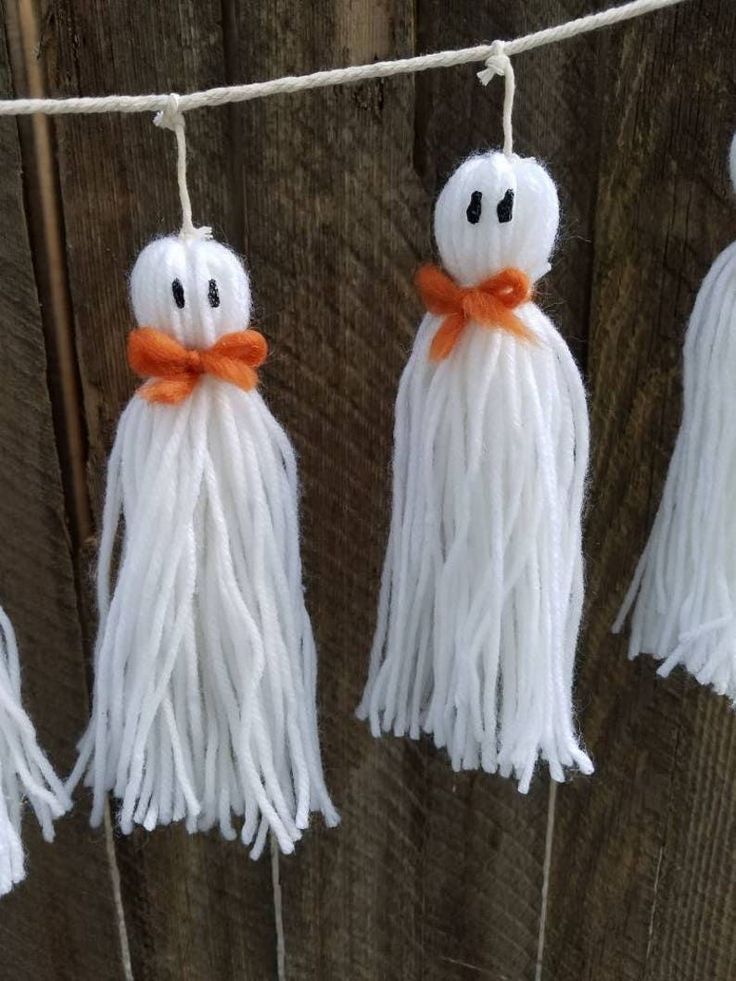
(194,289)
(496,212)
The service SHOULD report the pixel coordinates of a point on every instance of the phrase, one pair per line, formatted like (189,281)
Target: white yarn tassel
(24,770)
(205,674)
(684,591)
(482,585)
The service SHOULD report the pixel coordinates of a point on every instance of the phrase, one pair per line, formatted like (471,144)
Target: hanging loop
(499,63)
(171,117)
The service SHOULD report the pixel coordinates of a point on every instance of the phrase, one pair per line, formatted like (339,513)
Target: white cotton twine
(290,84)
(171,117)
(499,63)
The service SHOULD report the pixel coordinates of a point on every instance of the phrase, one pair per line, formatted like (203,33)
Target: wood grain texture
(485,853)
(432,874)
(66,902)
(639,886)
(335,224)
(195,907)
(329,194)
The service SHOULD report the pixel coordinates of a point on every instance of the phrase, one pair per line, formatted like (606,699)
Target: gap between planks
(44,216)
(45,225)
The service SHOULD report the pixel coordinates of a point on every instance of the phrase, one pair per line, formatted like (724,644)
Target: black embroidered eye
(212,295)
(178,290)
(474,208)
(505,207)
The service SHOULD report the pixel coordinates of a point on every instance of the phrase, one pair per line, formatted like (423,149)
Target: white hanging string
(171,117)
(337,76)
(499,63)
(278,911)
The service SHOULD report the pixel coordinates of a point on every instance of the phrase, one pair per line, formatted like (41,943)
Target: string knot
(497,63)
(170,117)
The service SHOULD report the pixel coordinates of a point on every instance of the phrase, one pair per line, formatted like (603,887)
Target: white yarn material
(482,585)
(205,664)
(499,63)
(290,84)
(684,590)
(25,773)
(173,118)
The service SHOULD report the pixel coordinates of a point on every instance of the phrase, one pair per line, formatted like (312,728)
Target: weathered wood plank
(196,907)
(640,887)
(485,903)
(61,921)
(334,221)
(432,874)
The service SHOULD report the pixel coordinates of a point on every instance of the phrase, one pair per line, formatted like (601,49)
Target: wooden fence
(432,875)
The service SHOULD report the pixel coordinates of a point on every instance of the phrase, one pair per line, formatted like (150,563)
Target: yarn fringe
(24,770)
(682,595)
(205,673)
(482,586)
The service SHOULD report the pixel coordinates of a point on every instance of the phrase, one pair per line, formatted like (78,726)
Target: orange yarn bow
(175,370)
(490,303)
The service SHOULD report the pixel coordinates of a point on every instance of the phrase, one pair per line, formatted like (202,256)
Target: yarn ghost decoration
(205,663)
(482,585)
(24,770)
(683,593)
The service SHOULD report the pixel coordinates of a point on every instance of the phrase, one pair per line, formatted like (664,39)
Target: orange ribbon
(490,303)
(175,370)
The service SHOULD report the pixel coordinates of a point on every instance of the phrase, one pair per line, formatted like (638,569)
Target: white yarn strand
(173,118)
(24,770)
(291,84)
(482,587)
(683,593)
(499,63)
(205,664)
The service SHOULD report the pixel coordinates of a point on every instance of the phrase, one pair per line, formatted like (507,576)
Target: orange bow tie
(490,303)
(175,370)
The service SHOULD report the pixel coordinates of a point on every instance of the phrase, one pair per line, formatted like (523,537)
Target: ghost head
(496,212)
(193,289)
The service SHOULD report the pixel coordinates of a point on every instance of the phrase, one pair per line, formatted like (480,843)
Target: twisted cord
(289,84)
